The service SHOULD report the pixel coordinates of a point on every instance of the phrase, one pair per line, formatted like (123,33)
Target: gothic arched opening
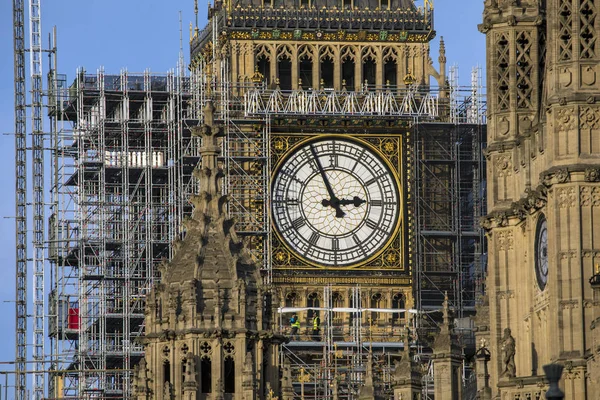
(348,68)
(306,70)
(369,71)
(312,301)
(291,300)
(390,73)
(229,375)
(337,302)
(264,67)
(327,72)
(205,375)
(376,302)
(398,303)
(166,371)
(284,73)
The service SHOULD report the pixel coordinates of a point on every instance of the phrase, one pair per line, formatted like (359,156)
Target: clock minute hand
(333,200)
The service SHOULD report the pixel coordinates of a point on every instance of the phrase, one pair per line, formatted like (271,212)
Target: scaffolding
(123,157)
(121,175)
(446,198)
(124,134)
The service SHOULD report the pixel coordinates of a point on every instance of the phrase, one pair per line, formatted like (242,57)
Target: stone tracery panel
(502,71)
(565,21)
(587,36)
(525,69)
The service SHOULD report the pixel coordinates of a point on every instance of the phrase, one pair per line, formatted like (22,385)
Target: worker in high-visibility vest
(316,328)
(295,324)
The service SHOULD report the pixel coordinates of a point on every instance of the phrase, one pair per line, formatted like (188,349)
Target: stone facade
(543,174)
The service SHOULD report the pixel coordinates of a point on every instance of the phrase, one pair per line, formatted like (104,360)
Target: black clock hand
(333,201)
(356,201)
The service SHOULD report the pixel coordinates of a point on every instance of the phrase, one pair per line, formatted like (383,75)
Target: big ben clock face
(541,253)
(335,202)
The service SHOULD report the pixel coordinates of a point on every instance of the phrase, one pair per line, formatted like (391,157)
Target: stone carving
(524,67)
(562,175)
(565,24)
(503,71)
(589,117)
(565,119)
(587,31)
(502,164)
(592,174)
(566,198)
(501,219)
(596,197)
(167,392)
(585,196)
(509,368)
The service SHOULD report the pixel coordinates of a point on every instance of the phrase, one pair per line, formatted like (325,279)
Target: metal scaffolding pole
(37,147)
(20,199)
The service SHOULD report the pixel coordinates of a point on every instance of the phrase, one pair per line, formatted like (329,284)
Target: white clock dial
(335,202)
(541,253)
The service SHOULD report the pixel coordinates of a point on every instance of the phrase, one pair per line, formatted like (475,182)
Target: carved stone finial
(446,311)
(442,57)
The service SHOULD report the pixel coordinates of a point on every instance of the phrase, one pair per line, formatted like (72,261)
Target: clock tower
(330,79)
(543,193)
(337,185)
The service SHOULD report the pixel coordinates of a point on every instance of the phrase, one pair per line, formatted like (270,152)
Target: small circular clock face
(541,253)
(335,202)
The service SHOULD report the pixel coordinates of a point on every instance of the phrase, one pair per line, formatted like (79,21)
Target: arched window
(326,57)
(263,62)
(229,375)
(166,371)
(264,67)
(369,66)
(305,56)
(327,73)
(369,71)
(390,73)
(284,67)
(337,302)
(312,301)
(291,300)
(398,302)
(205,375)
(376,302)
(348,59)
(284,73)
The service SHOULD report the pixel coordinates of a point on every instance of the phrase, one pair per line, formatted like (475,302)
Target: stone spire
(447,356)
(406,378)
(208,302)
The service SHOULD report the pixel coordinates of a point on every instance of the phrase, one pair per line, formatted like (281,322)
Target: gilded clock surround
(389,148)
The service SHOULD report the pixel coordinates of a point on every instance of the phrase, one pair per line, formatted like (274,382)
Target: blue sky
(140,35)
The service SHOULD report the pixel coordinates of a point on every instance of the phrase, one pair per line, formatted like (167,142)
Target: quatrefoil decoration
(228,347)
(205,347)
(166,351)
